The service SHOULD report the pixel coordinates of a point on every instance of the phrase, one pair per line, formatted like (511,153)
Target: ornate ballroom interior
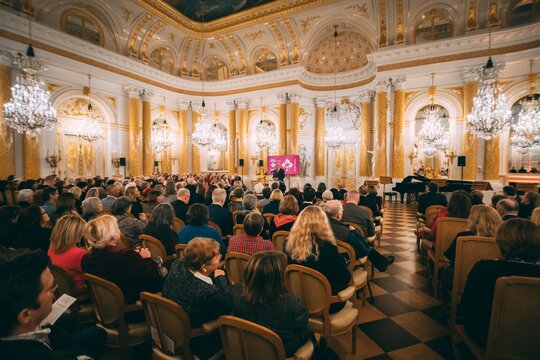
(270,74)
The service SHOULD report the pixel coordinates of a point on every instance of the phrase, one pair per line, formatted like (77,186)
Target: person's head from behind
(27,291)
(289,206)
(202,254)
(372,190)
(249,202)
(333,209)
(9,215)
(93,192)
(477,197)
(67,232)
(49,195)
(327,195)
(264,277)
(113,190)
(507,207)
(66,202)
(76,191)
(484,221)
(163,214)
(197,215)
(433,187)
(509,191)
(253,224)
(155,197)
(535,216)
(353,197)
(276,195)
(266,192)
(102,231)
(363,190)
(132,193)
(219,196)
(311,226)
(495,200)
(321,187)
(237,193)
(183,195)
(32,217)
(531,198)
(121,206)
(459,205)
(170,188)
(91,206)
(25,195)
(519,239)
(309,194)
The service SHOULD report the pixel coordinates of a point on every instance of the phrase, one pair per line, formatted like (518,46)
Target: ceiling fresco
(213,9)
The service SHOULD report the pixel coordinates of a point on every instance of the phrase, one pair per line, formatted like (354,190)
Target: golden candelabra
(116,164)
(53,160)
(450,156)
(253,159)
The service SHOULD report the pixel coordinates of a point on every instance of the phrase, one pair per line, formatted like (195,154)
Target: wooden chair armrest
(205,329)
(133,307)
(362,261)
(344,294)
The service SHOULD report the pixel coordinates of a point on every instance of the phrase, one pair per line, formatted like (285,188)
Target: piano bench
(391,195)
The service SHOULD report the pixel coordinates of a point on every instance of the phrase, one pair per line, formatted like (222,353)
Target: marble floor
(404,321)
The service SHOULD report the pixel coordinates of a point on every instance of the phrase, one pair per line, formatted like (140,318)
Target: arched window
(523,12)
(518,158)
(82,26)
(265,61)
(162,59)
(434,25)
(431,165)
(216,69)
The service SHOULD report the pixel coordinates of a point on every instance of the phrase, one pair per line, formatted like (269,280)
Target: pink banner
(289,163)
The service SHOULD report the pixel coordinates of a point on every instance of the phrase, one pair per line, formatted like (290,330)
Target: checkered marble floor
(404,321)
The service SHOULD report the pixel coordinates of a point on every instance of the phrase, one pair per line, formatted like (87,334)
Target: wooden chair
(109,309)
(431,215)
(238,229)
(359,276)
(215,226)
(378,228)
(469,250)
(279,239)
(235,265)
(245,340)
(83,314)
(177,224)
(154,245)
(179,250)
(514,326)
(173,331)
(269,217)
(447,229)
(235,215)
(314,290)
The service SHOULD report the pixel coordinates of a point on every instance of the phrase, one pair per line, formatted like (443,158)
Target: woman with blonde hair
(132,271)
(288,212)
(63,250)
(535,217)
(273,206)
(311,243)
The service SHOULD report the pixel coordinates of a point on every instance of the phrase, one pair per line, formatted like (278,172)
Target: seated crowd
(94,226)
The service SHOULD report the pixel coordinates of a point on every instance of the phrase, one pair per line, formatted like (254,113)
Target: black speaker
(122,161)
(261,163)
(241,162)
(461,161)
(156,164)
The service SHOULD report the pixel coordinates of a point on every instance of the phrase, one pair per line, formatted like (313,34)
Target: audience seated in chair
(519,242)
(431,197)
(353,213)
(220,214)
(181,205)
(529,202)
(32,230)
(263,299)
(128,225)
(311,243)
(250,242)
(508,209)
(135,196)
(155,197)
(197,217)
(367,201)
(91,208)
(159,226)
(113,191)
(288,212)
(273,206)
(200,288)
(266,192)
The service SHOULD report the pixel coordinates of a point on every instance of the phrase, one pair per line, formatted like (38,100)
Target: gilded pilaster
(365,99)
(147,153)
(380,146)
(470,142)
(282,124)
(134,135)
(398,162)
(183,140)
(295,125)
(7,152)
(195,152)
(243,129)
(31,166)
(319,136)
(491,159)
(231,164)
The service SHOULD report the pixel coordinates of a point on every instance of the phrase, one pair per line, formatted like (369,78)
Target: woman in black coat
(159,226)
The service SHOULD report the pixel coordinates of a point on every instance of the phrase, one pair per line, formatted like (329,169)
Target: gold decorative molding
(77,108)
(126,13)
(185,51)
(53,87)
(112,100)
(241,53)
(254,35)
(134,35)
(471,15)
(458,90)
(409,96)
(361,10)
(493,18)
(294,38)
(195,62)
(399,22)
(306,23)
(281,40)
(382,23)
(232,60)
(7,150)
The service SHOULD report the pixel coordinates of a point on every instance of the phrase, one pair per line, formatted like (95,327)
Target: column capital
(295,96)
(146,94)
(133,91)
(232,104)
(398,83)
(320,101)
(183,104)
(471,74)
(366,96)
(283,97)
(383,85)
(243,104)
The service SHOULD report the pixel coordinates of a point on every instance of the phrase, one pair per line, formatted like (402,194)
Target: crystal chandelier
(434,134)
(265,133)
(333,136)
(219,142)
(89,129)
(29,109)
(489,115)
(160,137)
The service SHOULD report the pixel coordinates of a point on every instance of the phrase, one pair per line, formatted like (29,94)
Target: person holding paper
(26,300)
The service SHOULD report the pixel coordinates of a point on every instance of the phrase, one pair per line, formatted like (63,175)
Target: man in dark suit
(182,204)
(353,213)
(220,215)
(278,174)
(308,197)
(432,197)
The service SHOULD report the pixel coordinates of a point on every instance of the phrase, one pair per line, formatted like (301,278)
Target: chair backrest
(177,224)
(235,215)
(215,226)
(179,250)
(432,213)
(235,266)
(514,325)
(107,300)
(368,210)
(238,229)
(311,287)
(154,245)
(447,229)
(469,250)
(269,217)
(356,227)
(169,324)
(345,248)
(245,340)
(65,282)
(279,239)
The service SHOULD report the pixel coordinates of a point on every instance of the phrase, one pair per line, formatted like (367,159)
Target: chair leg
(354,328)
(435,281)
(371,299)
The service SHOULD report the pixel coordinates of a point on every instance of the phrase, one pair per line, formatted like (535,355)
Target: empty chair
(177,225)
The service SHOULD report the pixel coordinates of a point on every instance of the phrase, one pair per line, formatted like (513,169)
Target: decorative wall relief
(305,161)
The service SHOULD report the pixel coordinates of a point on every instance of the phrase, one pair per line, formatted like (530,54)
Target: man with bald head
(220,215)
(353,213)
(182,204)
(508,209)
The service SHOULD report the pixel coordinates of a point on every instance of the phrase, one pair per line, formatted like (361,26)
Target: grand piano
(408,186)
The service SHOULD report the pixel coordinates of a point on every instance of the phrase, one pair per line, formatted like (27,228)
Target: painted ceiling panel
(213,9)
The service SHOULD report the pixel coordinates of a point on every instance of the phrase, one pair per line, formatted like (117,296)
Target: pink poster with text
(289,163)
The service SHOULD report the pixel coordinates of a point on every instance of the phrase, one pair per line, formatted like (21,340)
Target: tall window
(265,61)
(216,69)
(162,59)
(434,25)
(78,24)
(523,12)
(517,159)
